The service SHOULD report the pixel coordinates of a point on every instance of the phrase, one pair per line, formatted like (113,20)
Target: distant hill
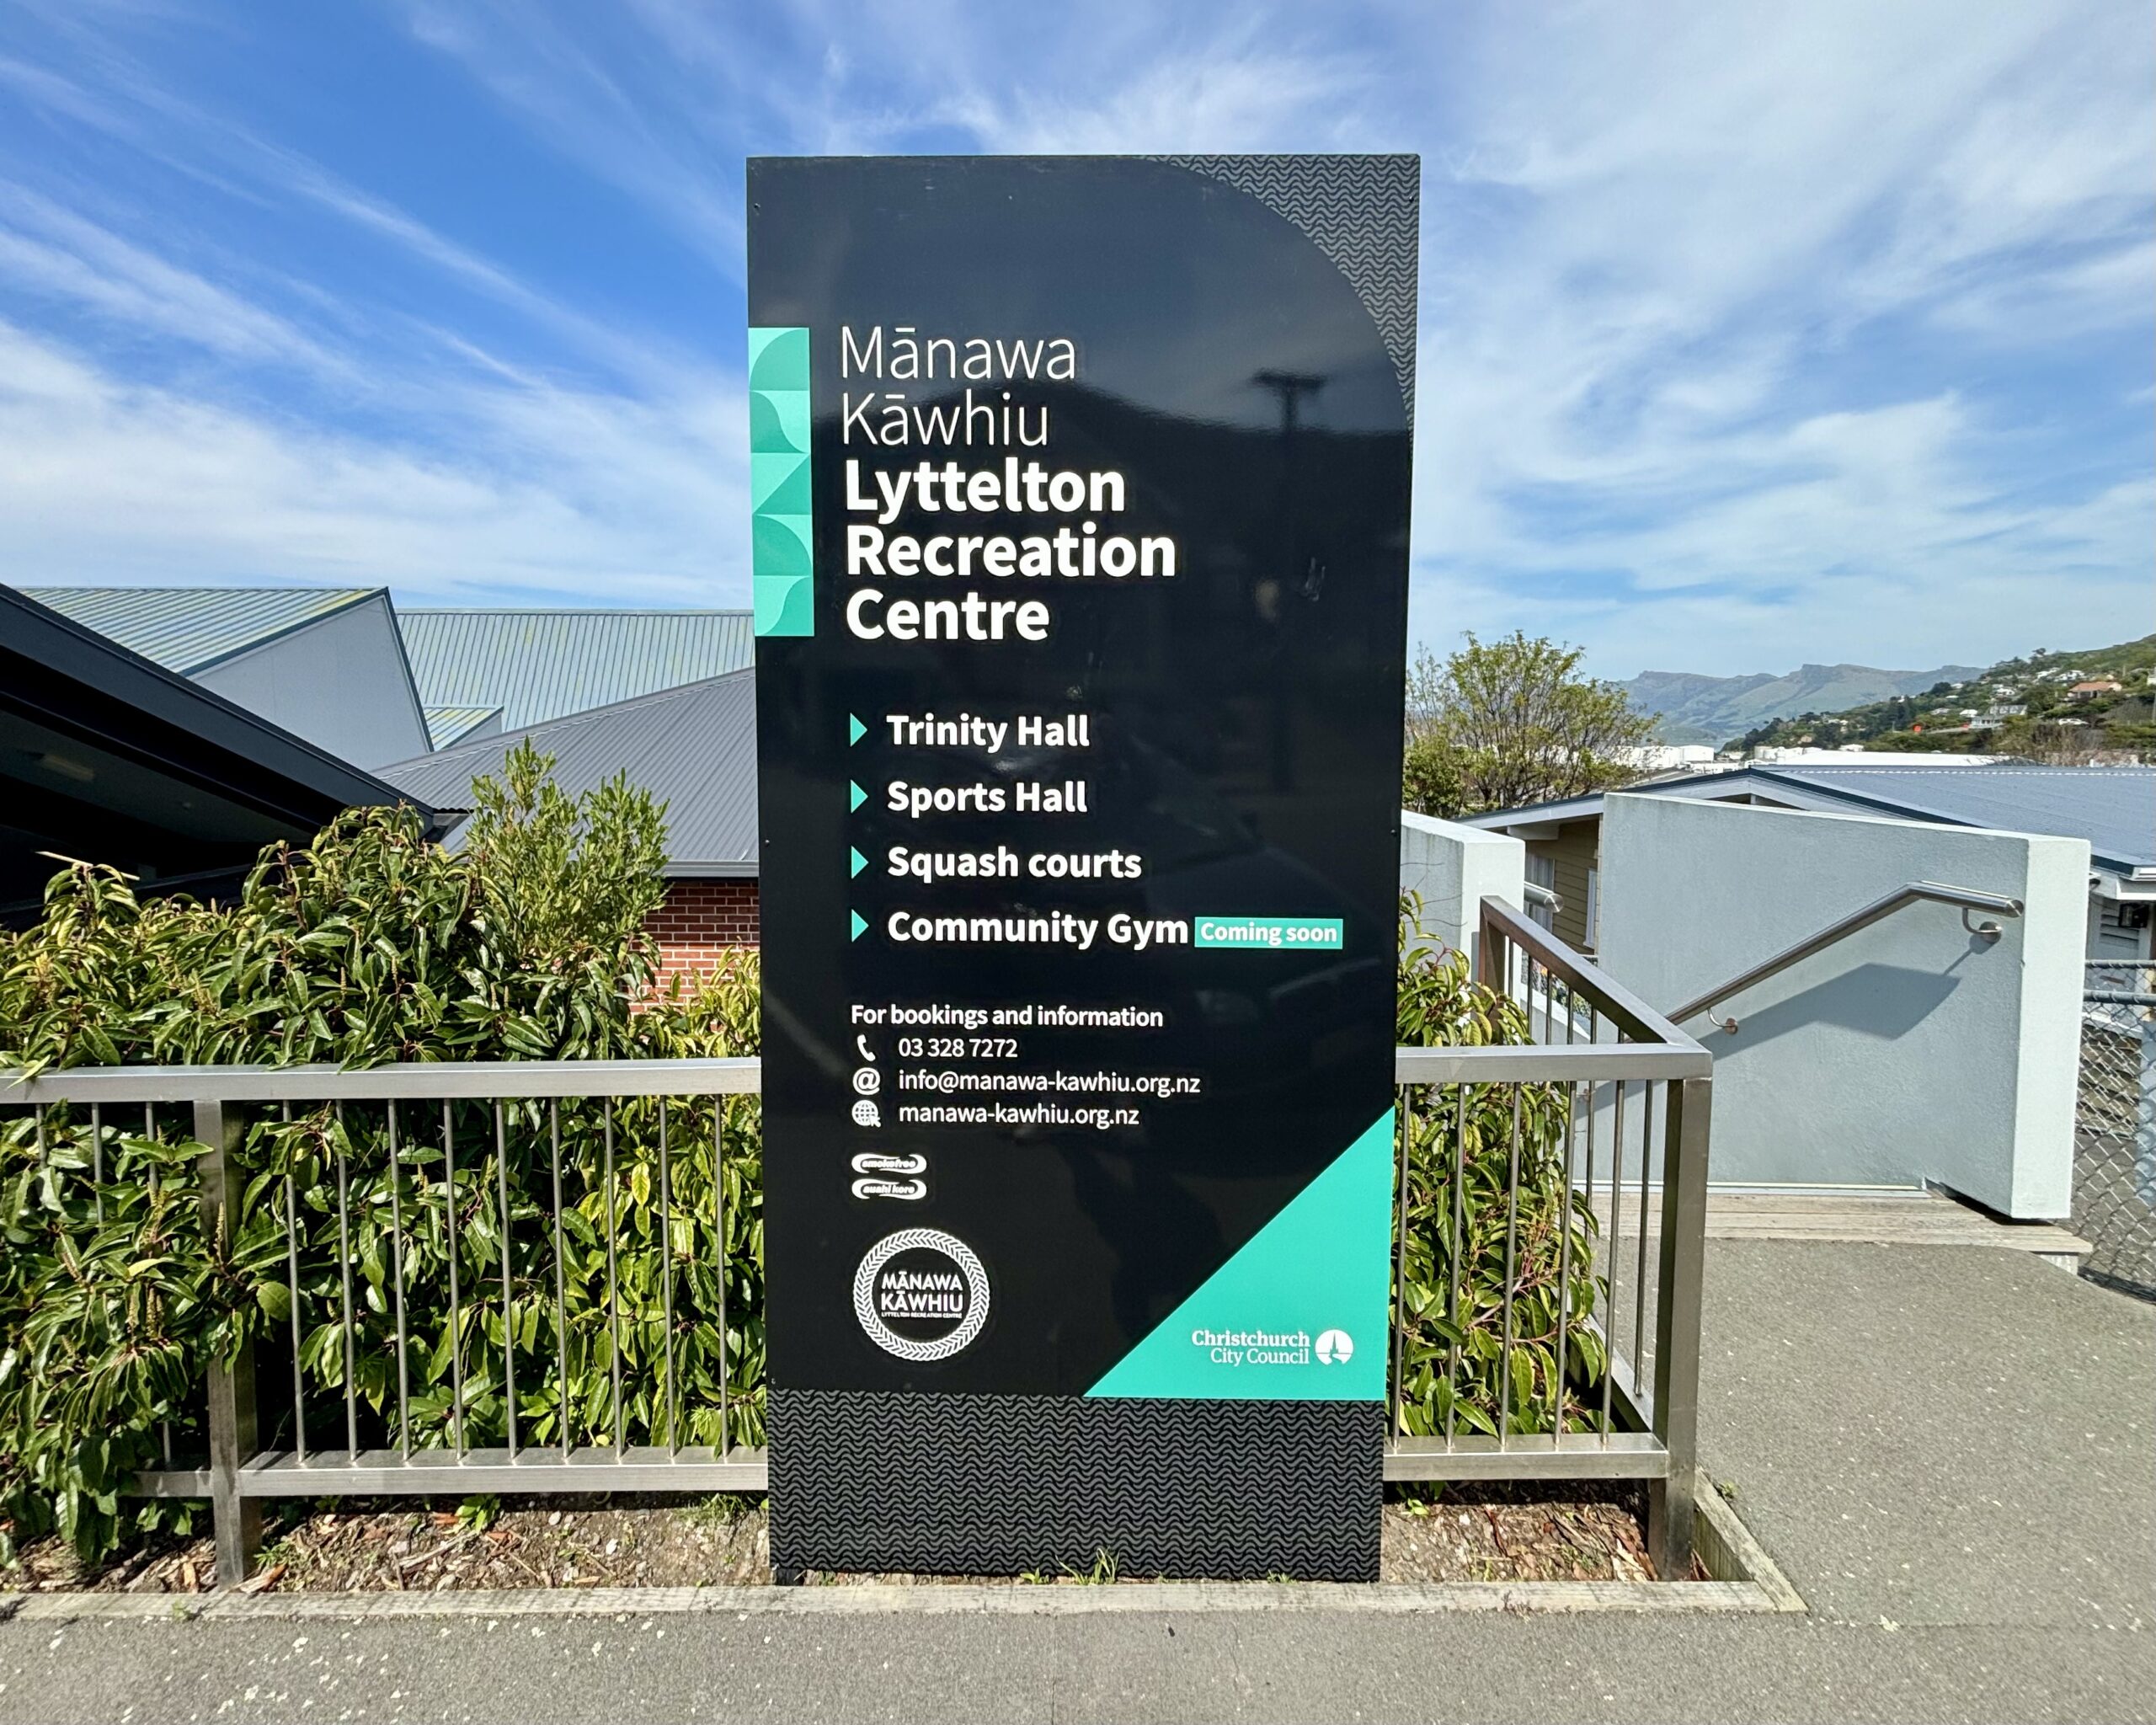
(1692,709)
(2021,707)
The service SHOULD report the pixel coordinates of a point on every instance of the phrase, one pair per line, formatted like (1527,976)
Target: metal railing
(2115,1125)
(1635,1420)
(1917,891)
(1601,1047)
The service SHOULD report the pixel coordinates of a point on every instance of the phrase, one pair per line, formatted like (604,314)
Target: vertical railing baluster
(509,1298)
(561,1297)
(718,1218)
(150,1133)
(1565,1245)
(1639,1274)
(1670,1505)
(1597,1300)
(1400,1265)
(1616,1242)
(1511,1244)
(231,1429)
(292,1288)
(344,1272)
(1455,1279)
(97,1162)
(613,1286)
(397,1269)
(455,1301)
(666,1269)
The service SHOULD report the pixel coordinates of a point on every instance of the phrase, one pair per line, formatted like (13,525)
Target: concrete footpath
(1950,1451)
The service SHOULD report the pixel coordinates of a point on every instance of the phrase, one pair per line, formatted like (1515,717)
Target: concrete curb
(1727,1549)
(1746,1582)
(1121,1598)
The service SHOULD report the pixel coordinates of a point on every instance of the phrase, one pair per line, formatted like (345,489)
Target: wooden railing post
(237,1521)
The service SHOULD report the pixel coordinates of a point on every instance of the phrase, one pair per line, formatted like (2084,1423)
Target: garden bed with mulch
(1478,1533)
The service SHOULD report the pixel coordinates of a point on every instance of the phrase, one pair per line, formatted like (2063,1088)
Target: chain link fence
(2115,1127)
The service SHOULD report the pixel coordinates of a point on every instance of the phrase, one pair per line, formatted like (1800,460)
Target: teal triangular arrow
(857,863)
(1299,1313)
(855,730)
(860,924)
(856,796)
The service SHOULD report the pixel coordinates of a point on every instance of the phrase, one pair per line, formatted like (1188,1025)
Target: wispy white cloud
(575,497)
(52,253)
(1747,334)
(1651,359)
(336,435)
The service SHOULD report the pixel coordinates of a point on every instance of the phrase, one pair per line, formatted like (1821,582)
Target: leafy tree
(1505,723)
(1433,778)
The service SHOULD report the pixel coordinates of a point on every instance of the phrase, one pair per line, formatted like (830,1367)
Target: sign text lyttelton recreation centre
(1080,490)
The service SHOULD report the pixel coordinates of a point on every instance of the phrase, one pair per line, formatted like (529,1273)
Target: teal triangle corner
(784,605)
(1319,1269)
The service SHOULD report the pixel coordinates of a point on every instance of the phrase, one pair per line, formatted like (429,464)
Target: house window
(1593,909)
(1542,872)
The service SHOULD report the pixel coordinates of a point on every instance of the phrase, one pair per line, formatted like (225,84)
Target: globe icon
(865,1114)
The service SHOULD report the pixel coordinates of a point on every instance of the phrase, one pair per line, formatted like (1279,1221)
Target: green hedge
(371,945)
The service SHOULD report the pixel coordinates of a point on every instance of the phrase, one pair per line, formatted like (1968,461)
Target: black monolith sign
(1080,493)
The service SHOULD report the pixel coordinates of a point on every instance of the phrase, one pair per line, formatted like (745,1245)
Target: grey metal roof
(2114,808)
(446,724)
(189,629)
(694,748)
(538,665)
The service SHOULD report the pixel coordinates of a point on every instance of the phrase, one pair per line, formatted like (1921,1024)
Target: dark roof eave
(234,739)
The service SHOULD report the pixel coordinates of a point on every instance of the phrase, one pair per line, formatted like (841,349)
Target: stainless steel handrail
(423,1081)
(1676,1056)
(1965,899)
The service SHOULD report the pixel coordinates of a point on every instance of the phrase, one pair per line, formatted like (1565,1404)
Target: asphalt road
(1951,1452)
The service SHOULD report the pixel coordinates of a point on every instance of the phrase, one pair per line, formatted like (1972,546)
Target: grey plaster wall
(1912,1051)
(341,683)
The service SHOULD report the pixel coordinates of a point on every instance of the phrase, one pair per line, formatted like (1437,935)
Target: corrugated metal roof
(445,724)
(2114,808)
(694,748)
(189,629)
(538,665)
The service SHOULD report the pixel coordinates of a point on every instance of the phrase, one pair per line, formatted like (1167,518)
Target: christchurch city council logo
(1334,1347)
(921,1294)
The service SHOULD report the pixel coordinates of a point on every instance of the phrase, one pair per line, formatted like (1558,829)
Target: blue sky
(1749,334)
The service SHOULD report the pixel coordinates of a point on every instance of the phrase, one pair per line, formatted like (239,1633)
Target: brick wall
(699,921)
